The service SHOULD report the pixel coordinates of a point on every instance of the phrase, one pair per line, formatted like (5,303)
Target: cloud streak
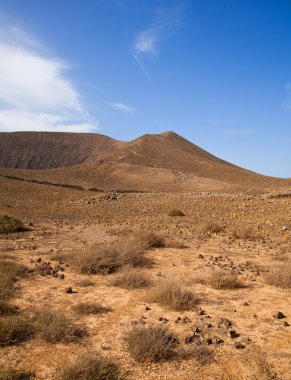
(147,42)
(34,92)
(122,107)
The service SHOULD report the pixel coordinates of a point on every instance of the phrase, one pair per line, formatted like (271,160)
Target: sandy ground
(67,221)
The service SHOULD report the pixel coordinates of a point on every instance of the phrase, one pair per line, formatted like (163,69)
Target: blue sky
(217,72)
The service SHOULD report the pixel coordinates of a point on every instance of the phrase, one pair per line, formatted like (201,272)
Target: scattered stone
(69,290)
(278,315)
(239,346)
(224,322)
(148,308)
(233,334)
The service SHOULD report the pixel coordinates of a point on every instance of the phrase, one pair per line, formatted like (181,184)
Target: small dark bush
(173,296)
(14,330)
(92,368)
(280,276)
(151,343)
(176,212)
(243,232)
(6,309)
(209,228)
(9,225)
(10,374)
(222,280)
(53,327)
(132,278)
(9,271)
(91,308)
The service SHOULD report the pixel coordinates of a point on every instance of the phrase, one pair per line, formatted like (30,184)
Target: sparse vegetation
(10,374)
(132,278)
(222,280)
(171,295)
(54,327)
(209,227)
(151,343)
(15,330)
(9,271)
(176,212)
(9,224)
(148,239)
(85,282)
(280,276)
(91,308)
(108,259)
(201,353)
(6,309)
(243,233)
(92,368)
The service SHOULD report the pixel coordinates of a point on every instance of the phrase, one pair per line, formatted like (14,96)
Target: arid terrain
(157,258)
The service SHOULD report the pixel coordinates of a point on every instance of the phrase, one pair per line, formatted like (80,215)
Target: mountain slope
(46,150)
(161,162)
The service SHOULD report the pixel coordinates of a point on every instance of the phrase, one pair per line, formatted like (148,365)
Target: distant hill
(47,150)
(159,162)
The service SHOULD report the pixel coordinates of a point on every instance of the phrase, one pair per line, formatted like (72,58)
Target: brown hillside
(46,150)
(161,162)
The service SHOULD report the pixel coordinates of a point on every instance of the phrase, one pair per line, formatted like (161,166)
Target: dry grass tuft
(9,271)
(201,353)
(173,296)
(91,308)
(53,327)
(222,280)
(9,225)
(243,232)
(151,343)
(209,228)
(111,258)
(280,276)
(132,278)
(6,309)
(148,239)
(85,283)
(10,374)
(176,212)
(92,368)
(14,330)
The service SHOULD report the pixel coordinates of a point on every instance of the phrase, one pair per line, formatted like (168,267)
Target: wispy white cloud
(34,91)
(122,107)
(165,24)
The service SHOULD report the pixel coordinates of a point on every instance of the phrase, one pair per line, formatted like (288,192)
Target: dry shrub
(11,374)
(201,353)
(9,225)
(209,228)
(6,309)
(15,330)
(176,212)
(92,368)
(280,276)
(9,271)
(151,343)
(85,282)
(148,240)
(173,296)
(54,327)
(178,244)
(91,308)
(111,258)
(222,280)
(243,232)
(132,278)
